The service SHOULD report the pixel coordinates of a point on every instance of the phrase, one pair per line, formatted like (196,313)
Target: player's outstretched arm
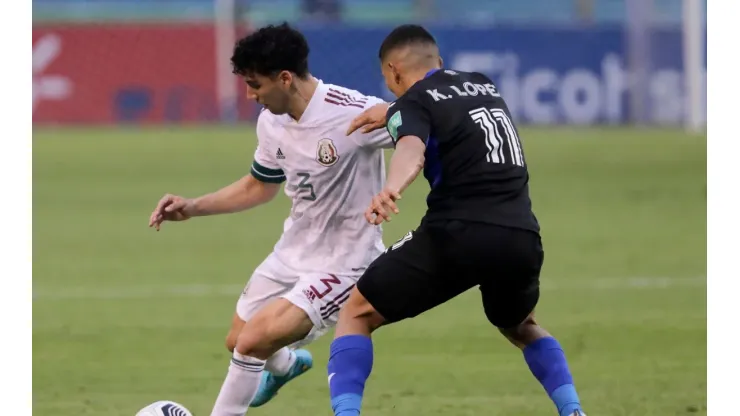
(370,120)
(406,163)
(246,193)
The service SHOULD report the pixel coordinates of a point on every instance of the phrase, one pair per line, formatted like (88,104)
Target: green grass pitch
(124,316)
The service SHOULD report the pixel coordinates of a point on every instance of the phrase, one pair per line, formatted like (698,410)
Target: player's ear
(285,78)
(441,62)
(396,73)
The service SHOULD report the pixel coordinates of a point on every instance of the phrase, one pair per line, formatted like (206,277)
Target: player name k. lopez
(468,89)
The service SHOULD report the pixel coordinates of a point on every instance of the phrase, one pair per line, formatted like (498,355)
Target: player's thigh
(267,283)
(257,294)
(507,262)
(411,277)
(320,296)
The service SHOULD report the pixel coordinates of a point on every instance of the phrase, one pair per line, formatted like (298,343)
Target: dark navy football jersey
(474,160)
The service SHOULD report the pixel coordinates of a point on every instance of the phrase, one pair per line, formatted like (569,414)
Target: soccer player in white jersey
(294,296)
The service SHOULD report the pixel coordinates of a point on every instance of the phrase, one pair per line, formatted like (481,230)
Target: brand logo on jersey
(279,154)
(393,124)
(326,153)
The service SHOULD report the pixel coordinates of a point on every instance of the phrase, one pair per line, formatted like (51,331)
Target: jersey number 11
(499,129)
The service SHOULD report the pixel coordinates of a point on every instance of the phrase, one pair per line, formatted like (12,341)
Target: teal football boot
(270,383)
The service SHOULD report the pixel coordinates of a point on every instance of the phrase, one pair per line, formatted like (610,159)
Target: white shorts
(320,295)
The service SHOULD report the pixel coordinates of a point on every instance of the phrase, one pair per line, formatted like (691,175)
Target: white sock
(240,386)
(280,362)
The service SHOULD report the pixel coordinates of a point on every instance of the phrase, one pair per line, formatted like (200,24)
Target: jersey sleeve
(265,167)
(408,117)
(378,139)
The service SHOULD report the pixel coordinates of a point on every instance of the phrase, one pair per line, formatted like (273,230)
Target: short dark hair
(270,50)
(405,35)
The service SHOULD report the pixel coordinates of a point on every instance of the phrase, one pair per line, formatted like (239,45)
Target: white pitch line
(233,291)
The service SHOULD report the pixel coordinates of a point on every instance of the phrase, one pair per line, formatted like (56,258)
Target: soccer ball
(164,408)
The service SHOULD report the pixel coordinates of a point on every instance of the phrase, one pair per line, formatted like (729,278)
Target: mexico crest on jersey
(326,153)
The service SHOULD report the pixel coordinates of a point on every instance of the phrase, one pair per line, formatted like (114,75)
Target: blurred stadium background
(134,98)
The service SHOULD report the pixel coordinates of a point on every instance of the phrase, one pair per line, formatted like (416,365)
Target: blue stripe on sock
(346,404)
(566,399)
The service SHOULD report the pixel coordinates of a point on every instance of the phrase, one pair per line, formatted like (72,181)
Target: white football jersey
(330,177)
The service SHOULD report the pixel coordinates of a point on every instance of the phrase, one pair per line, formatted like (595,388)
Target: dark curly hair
(405,35)
(270,50)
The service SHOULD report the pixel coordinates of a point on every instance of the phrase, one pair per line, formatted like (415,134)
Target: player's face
(271,92)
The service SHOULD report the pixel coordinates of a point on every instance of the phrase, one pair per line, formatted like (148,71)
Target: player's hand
(370,120)
(381,207)
(171,208)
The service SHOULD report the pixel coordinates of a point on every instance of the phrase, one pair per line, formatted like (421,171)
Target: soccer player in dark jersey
(479,229)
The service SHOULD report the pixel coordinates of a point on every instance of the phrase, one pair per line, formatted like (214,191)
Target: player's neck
(417,76)
(304,90)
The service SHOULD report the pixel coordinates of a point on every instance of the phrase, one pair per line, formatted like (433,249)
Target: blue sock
(546,359)
(350,363)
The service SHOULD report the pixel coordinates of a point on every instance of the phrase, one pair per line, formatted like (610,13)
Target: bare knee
(230,342)
(525,333)
(254,340)
(519,331)
(231,337)
(278,325)
(358,316)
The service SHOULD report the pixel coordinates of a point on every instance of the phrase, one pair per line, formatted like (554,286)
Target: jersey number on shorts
(303,184)
(409,235)
(329,284)
(499,129)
